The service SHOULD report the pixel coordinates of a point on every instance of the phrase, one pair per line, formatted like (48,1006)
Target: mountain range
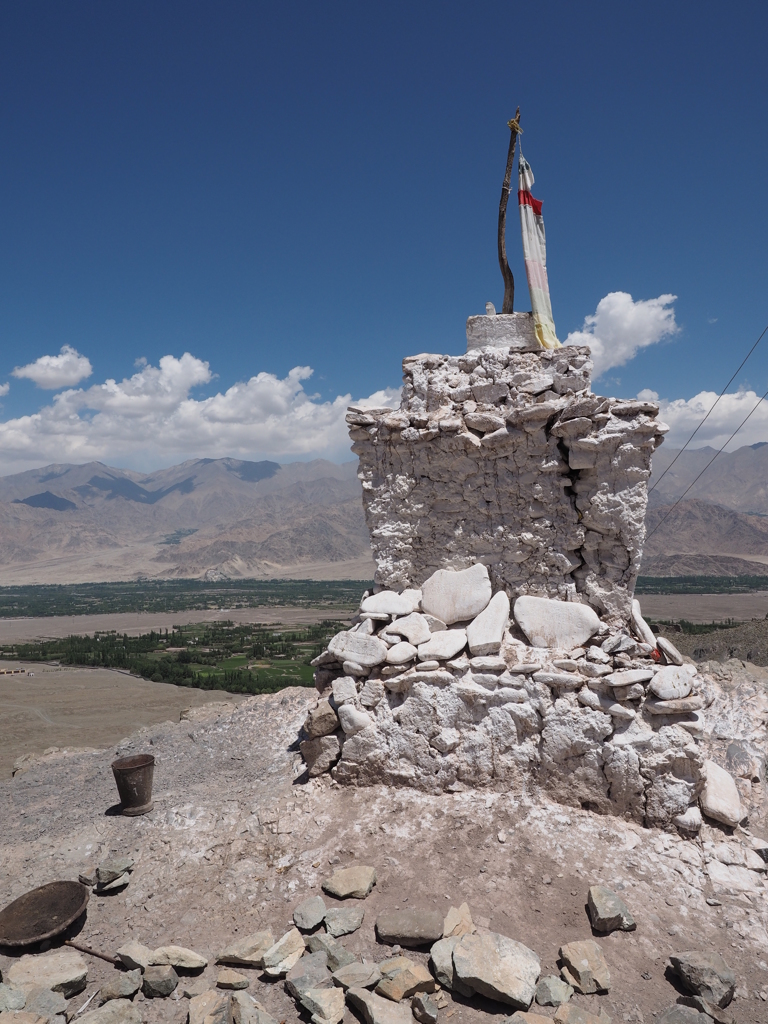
(304,520)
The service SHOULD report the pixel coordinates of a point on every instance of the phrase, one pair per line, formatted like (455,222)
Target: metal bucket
(133,776)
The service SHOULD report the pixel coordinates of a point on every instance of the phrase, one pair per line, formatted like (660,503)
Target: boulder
(377,1010)
(673,682)
(553,991)
(560,624)
(705,974)
(320,754)
(608,912)
(343,920)
(355,882)
(248,951)
(456,596)
(387,602)
(210,1007)
(191,987)
(309,913)
(325,1004)
(443,645)
(720,798)
(406,983)
(178,956)
(116,1011)
(584,967)
(412,927)
(229,979)
(337,956)
(497,967)
(122,985)
(159,981)
(134,955)
(413,627)
(486,631)
(281,957)
(63,971)
(367,651)
(321,720)
(357,975)
(310,972)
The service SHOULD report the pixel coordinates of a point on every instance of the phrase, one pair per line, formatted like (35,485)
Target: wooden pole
(506,273)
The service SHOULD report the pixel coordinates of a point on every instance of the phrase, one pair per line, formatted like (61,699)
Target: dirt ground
(78,707)
(239,837)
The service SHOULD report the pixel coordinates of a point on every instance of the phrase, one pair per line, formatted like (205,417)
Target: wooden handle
(93,952)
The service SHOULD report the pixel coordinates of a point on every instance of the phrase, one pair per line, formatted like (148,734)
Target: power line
(701,474)
(709,413)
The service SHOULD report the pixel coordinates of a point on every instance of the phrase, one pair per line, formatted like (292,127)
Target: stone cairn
(501,645)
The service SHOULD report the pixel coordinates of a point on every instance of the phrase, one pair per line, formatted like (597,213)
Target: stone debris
(229,979)
(553,991)
(22,1017)
(458,921)
(413,927)
(357,975)
(121,986)
(351,883)
(211,1007)
(62,971)
(557,624)
(707,975)
(326,1005)
(134,955)
(286,952)
(377,1010)
(311,972)
(715,1012)
(584,967)
(456,596)
(248,951)
(178,956)
(116,1011)
(310,913)
(118,883)
(497,967)
(113,868)
(343,920)
(720,797)
(406,982)
(424,1008)
(608,912)
(159,981)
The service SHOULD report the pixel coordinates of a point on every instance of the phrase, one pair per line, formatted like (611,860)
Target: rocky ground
(239,837)
(747,641)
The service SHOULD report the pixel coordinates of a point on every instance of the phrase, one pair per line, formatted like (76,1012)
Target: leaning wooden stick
(92,952)
(506,273)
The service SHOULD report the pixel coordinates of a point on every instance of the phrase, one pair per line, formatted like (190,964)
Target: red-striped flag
(535,253)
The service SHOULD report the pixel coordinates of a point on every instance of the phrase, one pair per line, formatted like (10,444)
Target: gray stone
(134,955)
(720,798)
(372,693)
(705,974)
(456,596)
(116,1011)
(424,1008)
(191,987)
(435,625)
(309,913)
(502,330)
(717,1014)
(63,971)
(325,1005)
(321,720)
(248,951)
(683,706)
(111,869)
(497,967)
(121,986)
(443,645)
(310,972)
(355,882)
(233,980)
(281,957)
(247,1010)
(46,1003)
(178,956)
(406,983)
(629,676)
(210,1007)
(357,976)
(413,927)
(377,1010)
(608,912)
(367,651)
(678,1014)
(584,967)
(401,654)
(673,682)
(118,883)
(337,956)
(320,754)
(486,631)
(344,690)
(159,981)
(642,630)
(87,876)
(413,627)
(553,991)
(387,602)
(11,998)
(343,920)
(560,624)
(670,652)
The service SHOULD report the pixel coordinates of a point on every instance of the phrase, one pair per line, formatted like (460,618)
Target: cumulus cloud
(620,327)
(62,371)
(152,419)
(684,415)
(4,389)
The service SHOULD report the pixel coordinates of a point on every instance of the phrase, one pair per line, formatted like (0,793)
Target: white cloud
(620,327)
(150,419)
(61,371)
(4,389)
(684,415)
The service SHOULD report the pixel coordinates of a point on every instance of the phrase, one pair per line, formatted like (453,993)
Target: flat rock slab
(443,645)
(247,1010)
(720,798)
(116,1011)
(120,986)
(249,951)
(456,596)
(178,956)
(281,957)
(584,967)
(309,913)
(401,654)
(325,1005)
(523,1017)
(355,882)
(683,1015)
(387,602)
(377,1010)
(560,624)
(343,920)
(11,998)
(497,967)
(458,921)
(608,912)
(310,972)
(670,652)
(134,955)
(413,627)
(413,927)
(367,651)
(673,682)
(46,1003)
(64,971)
(229,979)
(111,869)
(357,976)
(159,981)
(683,706)
(628,677)
(707,975)
(406,983)
(210,1007)
(486,631)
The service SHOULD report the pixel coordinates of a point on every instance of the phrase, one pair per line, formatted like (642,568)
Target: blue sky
(273,186)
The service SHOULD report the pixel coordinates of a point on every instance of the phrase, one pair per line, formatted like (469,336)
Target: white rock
(435,624)
(133,954)
(720,798)
(443,645)
(284,954)
(401,653)
(486,631)
(414,596)
(670,652)
(488,663)
(413,627)
(689,820)
(732,878)
(628,677)
(387,602)
(641,627)
(457,596)
(673,682)
(344,689)
(367,651)
(446,740)
(63,971)
(560,624)
(498,967)
(351,668)
(352,720)
(178,956)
